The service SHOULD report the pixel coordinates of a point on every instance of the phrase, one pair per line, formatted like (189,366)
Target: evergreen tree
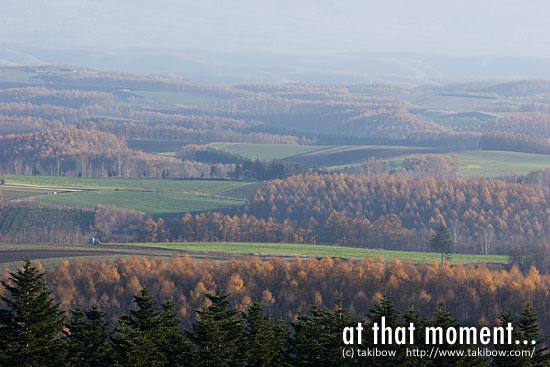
(282,343)
(443,319)
(318,338)
(528,329)
(259,337)
(385,308)
(148,337)
(31,321)
(503,360)
(87,339)
(217,334)
(173,342)
(412,316)
(442,242)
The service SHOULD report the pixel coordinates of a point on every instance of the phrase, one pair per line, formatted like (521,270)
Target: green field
(186,186)
(267,151)
(493,163)
(155,146)
(455,122)
(281,249)
(15,76)
(490,163)
(177,98)
(147,202)
(51,255)
(9,193)
(155,197)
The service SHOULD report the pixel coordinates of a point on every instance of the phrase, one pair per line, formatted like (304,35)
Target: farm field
(346,155)
(493,163)
(176,98)
(12,193)
(147,202)
(155,146)
(267,151)
(50,255)
(322,156)
(453,103)
(165,198)
(281,249)
(489,163)
(455,122)
(186,186)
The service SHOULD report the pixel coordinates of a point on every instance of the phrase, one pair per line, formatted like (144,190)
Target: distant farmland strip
(348,154)
(283,249)
(267,151)
(147,202)
(187,186)
(167,198)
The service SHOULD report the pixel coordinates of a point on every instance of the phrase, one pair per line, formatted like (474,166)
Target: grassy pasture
(147,202)
(177,98)
(154,197)
(50,255)
(454,103)
(490,163)
(138,184)
(267,151)
(347,155)
(15,76)
(282,249)
(493,163)
(13,193)
(455,122)
(155,146)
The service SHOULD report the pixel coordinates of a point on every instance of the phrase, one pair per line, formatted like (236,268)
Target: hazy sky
(466,27)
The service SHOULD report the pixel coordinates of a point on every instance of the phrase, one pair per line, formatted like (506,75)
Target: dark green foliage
(268,170)
(149,337)
(31,323)
(443,319)
(502,361)
(442,242)
(217,334)
(263,340)
(318,338)
(385,308)
(87,338)
(206,154)
(528,329)
(412,316)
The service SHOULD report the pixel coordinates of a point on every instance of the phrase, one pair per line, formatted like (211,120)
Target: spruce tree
(385,308)
(528,329)
(87,339)
(442,242)
(217,334)
(259,338)
(318,338)
(282,343)
(31,322)
(504,360)
(443,319)
(412,316)
(173,342)
(149,337)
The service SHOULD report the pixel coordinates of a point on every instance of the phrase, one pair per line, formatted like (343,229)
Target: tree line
(474,294)
(245,168)
(35,331)
(482,214)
